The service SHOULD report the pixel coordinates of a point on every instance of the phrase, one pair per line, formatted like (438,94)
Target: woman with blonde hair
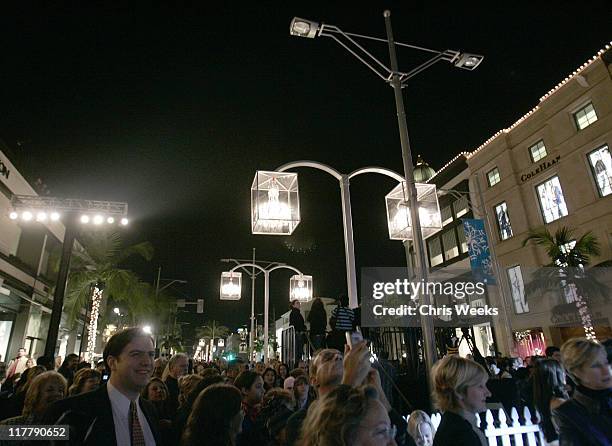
(348,416)
(586,419)
(85,380)
(421,429)
(45,389)
(460,391)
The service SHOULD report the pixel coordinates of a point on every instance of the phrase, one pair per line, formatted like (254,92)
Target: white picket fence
(526,434)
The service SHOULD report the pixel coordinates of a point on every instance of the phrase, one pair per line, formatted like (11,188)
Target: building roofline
(464,154)
(542,99)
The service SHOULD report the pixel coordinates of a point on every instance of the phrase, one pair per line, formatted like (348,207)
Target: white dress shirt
(121,417)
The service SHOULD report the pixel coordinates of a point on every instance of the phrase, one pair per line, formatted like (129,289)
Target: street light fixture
(231,285)
(300,288)
(230,288)
(275,207)
(303,28)
(399,221)
(397,80)
(300,27)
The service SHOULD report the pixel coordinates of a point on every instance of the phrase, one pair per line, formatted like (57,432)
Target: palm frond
(143,249)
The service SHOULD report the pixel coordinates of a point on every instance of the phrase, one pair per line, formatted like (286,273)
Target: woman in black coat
(586,419)
(317,318)
(460,390)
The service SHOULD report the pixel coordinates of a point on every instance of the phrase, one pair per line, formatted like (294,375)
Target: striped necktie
(136,435)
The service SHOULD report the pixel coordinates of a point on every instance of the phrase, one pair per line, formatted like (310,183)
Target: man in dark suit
(115,414)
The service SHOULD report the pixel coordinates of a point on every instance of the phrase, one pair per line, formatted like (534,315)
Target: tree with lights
(568,270)
(97,270)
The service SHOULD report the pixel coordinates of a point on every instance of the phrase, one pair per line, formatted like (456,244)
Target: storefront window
(552,202)
(503,221)
(601,163)
(517,289)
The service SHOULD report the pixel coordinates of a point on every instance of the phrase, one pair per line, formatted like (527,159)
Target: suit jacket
(90,417)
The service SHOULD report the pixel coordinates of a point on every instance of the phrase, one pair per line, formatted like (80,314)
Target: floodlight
(303,28)
(13,215)
(124,221)
(110,220)
(26,216)
(85,219)
(55,216)
(98,220)
(468,61)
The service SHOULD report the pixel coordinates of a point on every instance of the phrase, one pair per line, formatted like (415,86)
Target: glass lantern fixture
(231,285)
(300,288)
(275,205)
(399,221)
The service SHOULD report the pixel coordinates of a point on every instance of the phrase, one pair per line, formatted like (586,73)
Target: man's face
(330,368)
(73,363)
(179,368)
(134,366)
(21,352)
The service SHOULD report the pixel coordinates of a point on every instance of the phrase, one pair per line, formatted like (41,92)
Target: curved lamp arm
(314,164)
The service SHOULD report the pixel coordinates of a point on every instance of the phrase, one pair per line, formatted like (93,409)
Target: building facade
(551,169)
(29,260)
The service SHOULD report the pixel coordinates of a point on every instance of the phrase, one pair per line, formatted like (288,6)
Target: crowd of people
(337,398)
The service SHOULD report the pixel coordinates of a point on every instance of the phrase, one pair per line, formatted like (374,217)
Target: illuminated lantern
(275,206)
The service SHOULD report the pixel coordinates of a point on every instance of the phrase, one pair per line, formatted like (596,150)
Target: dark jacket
(172,402)
(318,321)
(455,430)
(585,420)
(90,417)
(297,320)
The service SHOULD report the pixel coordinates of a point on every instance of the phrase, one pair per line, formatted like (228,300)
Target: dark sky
(174,109)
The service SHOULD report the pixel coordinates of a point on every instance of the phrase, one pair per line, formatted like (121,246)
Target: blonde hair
(418,417)
(577,352)
(451,376)
(34,390)
(333,420)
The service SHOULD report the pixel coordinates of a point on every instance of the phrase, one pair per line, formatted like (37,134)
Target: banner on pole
(478,249)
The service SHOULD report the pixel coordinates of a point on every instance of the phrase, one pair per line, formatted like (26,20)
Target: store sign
(4,170)
(541,168)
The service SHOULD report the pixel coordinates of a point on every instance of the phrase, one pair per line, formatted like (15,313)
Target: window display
(503,221)
(601,163)
(517,289)
(552,201)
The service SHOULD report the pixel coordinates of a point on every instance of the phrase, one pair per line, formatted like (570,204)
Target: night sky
(173,110)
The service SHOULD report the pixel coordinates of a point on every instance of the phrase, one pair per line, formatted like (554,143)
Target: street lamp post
(347,217)
(306,28)
(253,274)
(229,291)
(43,209)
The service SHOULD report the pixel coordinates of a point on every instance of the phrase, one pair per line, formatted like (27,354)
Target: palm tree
(567,270)
(96,270)
(211,331)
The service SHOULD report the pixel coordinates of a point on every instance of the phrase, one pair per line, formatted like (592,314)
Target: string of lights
(92,325)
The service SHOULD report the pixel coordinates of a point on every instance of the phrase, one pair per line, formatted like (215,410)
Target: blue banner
(478,249)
